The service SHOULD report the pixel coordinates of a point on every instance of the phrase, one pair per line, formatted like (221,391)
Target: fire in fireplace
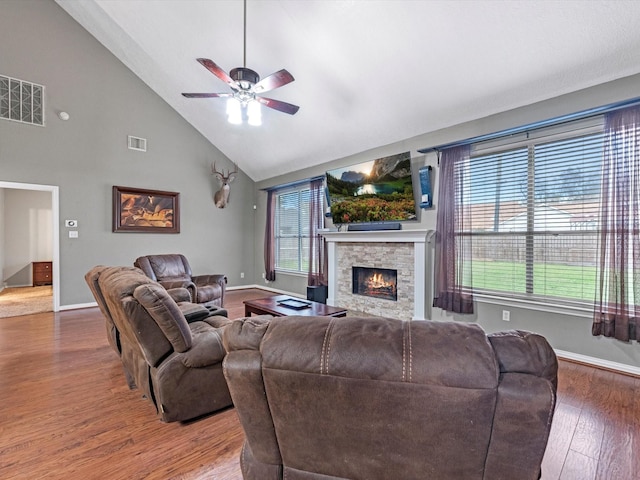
(375,282)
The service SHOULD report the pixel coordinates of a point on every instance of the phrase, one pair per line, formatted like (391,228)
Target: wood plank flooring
(67,413)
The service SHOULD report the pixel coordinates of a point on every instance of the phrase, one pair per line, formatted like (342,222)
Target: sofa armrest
(189,285)
(246,333)
(207,346)
(525,403)
(528,367)
(525,352)
(243,370)
(217,321)
(179,294)
(210,279)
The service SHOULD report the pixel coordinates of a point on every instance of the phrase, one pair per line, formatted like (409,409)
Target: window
(530,210)
(292,229)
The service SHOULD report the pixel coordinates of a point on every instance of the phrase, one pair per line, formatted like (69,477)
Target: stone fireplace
(403,251)
(375,282)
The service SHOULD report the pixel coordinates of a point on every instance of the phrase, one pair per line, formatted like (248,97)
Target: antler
(221,174)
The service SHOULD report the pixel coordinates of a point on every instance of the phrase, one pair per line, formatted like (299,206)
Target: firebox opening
(375,282)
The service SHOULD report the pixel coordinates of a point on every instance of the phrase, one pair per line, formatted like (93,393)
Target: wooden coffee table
(274,306)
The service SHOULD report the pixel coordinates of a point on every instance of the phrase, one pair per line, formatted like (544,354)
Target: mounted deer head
(221,197)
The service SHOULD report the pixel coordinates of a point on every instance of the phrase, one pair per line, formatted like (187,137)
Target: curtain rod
(592,112)
(293,184)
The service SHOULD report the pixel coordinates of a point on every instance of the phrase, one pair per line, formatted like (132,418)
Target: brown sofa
(321,398)
(176,364)
(173,270)
(191,311)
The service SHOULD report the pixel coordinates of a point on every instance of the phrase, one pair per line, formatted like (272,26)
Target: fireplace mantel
(380,236)
(419,239)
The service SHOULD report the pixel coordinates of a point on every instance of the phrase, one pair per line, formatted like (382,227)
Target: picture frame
(145,211)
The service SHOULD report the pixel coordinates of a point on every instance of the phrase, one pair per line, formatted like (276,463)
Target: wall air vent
(137,143)
(21,101)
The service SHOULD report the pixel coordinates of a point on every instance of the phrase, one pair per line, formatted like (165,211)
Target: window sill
(293,273)
(575,311)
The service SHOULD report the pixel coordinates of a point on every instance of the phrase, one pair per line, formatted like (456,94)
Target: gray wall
(88,154)
(28,235)
(565,332)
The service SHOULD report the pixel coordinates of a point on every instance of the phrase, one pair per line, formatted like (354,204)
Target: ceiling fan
(245,86)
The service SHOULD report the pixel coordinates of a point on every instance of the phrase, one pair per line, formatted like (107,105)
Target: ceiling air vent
(21,101)
(137,143)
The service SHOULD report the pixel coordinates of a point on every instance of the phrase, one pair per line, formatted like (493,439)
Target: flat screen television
(372,192)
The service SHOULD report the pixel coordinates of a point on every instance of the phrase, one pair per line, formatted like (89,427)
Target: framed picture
(150,211)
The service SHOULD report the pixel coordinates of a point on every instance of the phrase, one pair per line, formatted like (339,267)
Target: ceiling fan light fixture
(245,77)
(245,84)
(254,111)
(234,111)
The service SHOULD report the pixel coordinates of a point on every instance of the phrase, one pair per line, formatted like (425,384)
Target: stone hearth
(403,250)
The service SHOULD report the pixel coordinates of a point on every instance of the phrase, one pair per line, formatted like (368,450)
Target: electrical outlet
(264,275)
(241,274)
(506,315)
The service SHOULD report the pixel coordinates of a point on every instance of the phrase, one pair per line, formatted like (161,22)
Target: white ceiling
(368,73)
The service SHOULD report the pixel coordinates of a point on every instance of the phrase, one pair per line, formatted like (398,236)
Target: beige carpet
(25,300)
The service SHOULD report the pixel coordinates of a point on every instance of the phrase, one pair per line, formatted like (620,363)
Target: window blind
(530,209)
(292,230)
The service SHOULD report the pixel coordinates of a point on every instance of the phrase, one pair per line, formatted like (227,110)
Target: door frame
(55,229)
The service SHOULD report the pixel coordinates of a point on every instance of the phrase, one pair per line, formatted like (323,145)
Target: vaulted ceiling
(367,72)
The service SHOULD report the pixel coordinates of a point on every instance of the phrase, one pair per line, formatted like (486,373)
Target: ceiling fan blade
(218,72)
(278,105)
(275,80)
(206,95)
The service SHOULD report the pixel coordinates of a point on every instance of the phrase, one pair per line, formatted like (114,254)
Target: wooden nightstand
(42,273)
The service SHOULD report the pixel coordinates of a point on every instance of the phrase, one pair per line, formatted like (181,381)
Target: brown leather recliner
(192,312)
(376,399)
(177,365)
(173,270)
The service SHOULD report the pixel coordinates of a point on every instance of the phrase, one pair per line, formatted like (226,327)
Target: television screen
(377,191)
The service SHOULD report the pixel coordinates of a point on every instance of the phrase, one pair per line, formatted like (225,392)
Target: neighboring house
(549,219)
(512,217)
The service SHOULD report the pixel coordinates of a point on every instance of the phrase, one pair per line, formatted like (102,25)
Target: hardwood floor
(66,413)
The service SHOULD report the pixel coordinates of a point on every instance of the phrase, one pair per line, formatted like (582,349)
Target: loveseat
(176,364)
(322,398)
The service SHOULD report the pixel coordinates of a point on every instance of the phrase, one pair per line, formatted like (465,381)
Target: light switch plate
(73,234)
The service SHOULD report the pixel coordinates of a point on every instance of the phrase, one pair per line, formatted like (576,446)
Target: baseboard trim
(599,363)
(78,306)
(267,289)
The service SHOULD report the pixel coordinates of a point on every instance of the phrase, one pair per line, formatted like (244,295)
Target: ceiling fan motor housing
(246,77)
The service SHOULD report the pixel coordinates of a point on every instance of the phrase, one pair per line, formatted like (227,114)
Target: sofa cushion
(170,267)
(166,314)
(207,346)
(404,351)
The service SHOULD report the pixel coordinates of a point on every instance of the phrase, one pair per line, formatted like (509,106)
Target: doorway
(55,235)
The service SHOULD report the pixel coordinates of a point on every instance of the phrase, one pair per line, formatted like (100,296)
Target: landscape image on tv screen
(375,191)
